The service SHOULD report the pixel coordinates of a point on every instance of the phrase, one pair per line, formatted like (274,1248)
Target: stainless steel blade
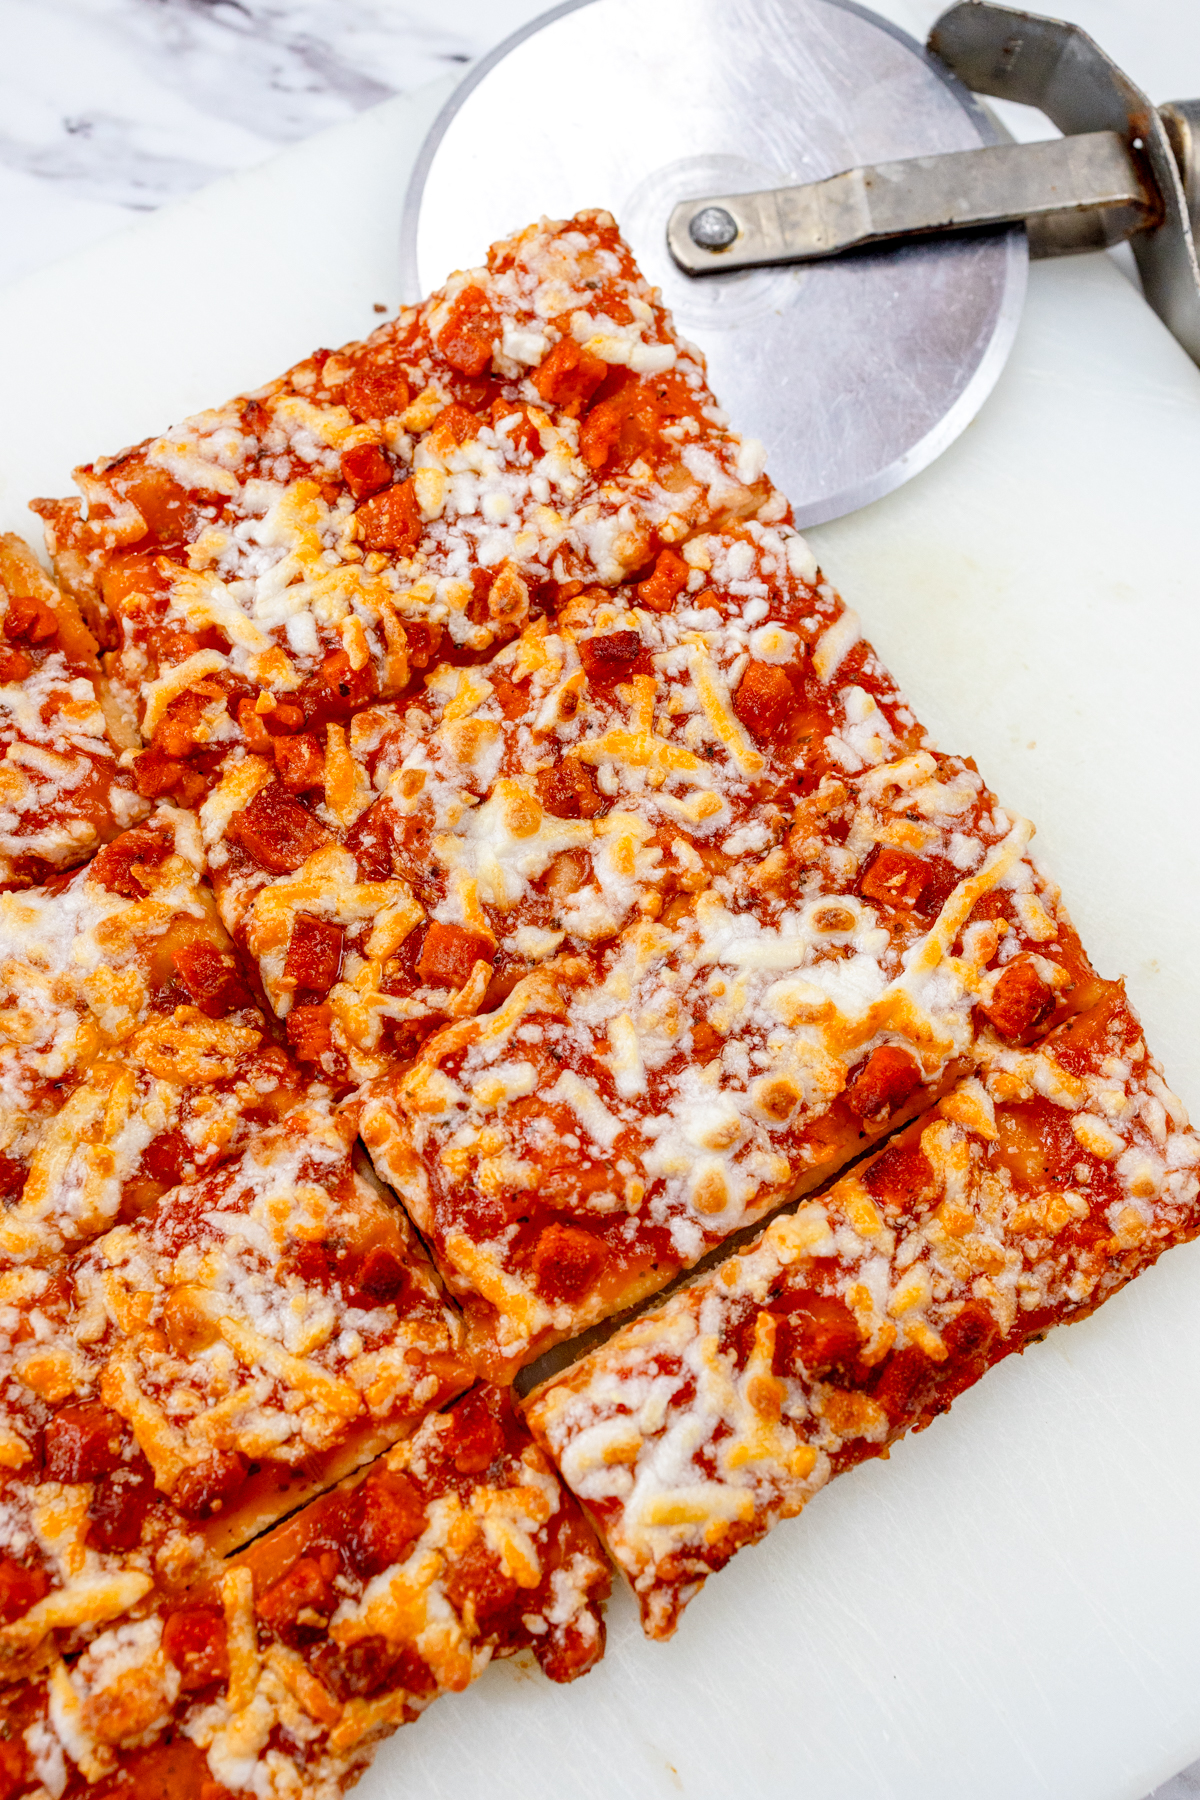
(1095,173)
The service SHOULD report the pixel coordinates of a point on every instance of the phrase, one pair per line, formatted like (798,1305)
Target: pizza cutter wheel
(830,213)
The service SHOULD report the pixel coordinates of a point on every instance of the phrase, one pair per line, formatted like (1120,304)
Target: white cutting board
(1010,1609)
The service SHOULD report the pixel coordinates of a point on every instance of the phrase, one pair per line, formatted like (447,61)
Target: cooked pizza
(622,1112)
(267,568)
(63,788)
(202,1370)
(132,1052)
(282,1672)
(524,799)
(589,773)
(1031,1192)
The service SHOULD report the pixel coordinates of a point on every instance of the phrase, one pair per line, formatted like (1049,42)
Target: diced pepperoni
(305,1588)
(29,620)
(83,1443)
(569,376)
(568,790)
(253,727)
(902,1179)
(182,727)
(764,698)
(12,1178)
(277,831)
(288,716)
(195,1641)
(476,1579)
(970,1334)
(14,666)
(346,687)
(815,1333)
(210,1487)
(449,954)
(476,1436)
(467,337)
(457,424)
(894,878)
(385,1517)
(310,1031)
(156,774)
(314,954)
(600,432)
(115,866)
(118,1507)
(610,655)
(884,1082)
(391,520)
(365,469)
(212,977)
(1020,1000)
(377,392)
(12,1767)
(422,643)
(909,1378)
(371,1666)
(20,1588)
(165,1159)
(565,1262)
(661,590)
(380,1279)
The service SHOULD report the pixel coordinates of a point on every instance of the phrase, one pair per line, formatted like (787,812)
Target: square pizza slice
(199,1372)
(63,788)
(534,426)
(623,1112)
(132,1052)
(283,1673)
(1031,1193)
(598,769)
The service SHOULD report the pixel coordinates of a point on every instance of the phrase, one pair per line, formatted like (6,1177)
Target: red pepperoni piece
(661,590)
(20,1588)
(902,1179)
(277,831)
(195,1641)
(83,1443)
(30,620)
(566,1261)
(314,953)
(569,376)
(210,1487)
(212,978)
(764,698)
(305,1588)
(894,878)
(1020,1000)
(310,1031)
(884,1082)
(610,655)
(468,335)
(375,391)
(365,469)
(384,1519)
(815,1333)
(568,790)
(115,866)
(391,520)
(476,1437)
(449,954)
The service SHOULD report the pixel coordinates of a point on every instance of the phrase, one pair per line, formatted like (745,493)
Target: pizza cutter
(831,214)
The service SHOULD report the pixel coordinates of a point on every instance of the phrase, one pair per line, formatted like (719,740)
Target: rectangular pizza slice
(63,788)
(283,1673)
(784,989)
(205,1368)
(132,1052)
(599,767)
(272,565)
(1031,1193)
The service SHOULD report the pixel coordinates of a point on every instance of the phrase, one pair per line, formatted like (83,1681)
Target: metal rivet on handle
(713,228)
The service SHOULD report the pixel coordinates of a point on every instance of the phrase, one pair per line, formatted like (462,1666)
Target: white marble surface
(112,107)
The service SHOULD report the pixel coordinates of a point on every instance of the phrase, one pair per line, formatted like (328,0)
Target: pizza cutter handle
(1123,169)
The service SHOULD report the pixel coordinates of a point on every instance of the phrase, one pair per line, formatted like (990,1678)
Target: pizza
(132,1051)
(197,1373)
(281,1672)
(64,789)
(514,881)
(1032,1192)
